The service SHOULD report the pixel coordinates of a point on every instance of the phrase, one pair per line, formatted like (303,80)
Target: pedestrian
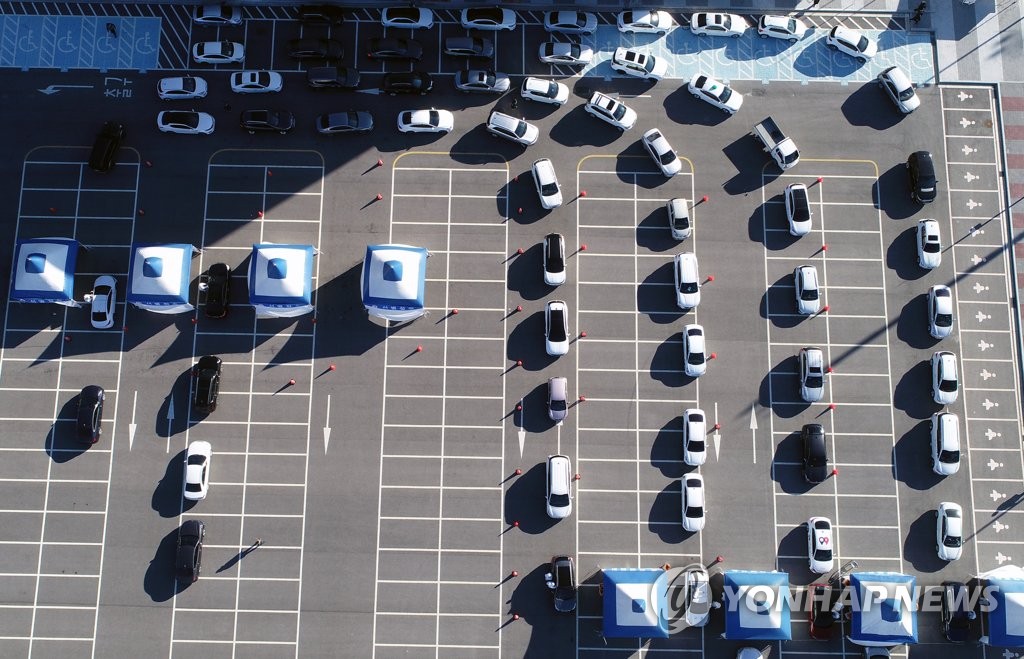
(258,543)
(112,30)
(814,3)
(921,7)
(515,103)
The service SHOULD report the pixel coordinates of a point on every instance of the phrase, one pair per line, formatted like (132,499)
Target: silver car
(477,80)
(808,297)
(558,404)
(519,131)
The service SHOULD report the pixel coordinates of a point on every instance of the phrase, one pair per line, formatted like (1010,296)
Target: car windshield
(559,500)
(823,554)
(196,459)
(558,405)
(520,129)
(618,111)
(549,189)
(667,156)
(435,118)
(947,385)
(949,457)
(688,287)
(188,84)
(696,445)
(907,94)
(809,294)
(725,94)
(931,246)
(694,512)
(557,325)
(193,487)
(791,26)
(648,64)
(952,541)
(791,158)
(484,15)
(944,320)
(814,380)
(404,13)
(574,51)
(552,90)
(696,358)
(862,44)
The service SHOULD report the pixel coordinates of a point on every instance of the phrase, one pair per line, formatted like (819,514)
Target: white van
(559,487)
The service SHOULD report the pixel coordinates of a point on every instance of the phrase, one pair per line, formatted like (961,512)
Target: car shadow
(524,502)
(904,245)
(655,300)
(653,234)
(839,65)
(160,581)
(784,384)
(477,139)
(790,479)
(919,547)
(896,203)
(794,543)
(670,354)
(912,325)
(578,128)
(548,630)
(768,225)
(175,414)
(61,441)
(167,498)
(536,400)
(665,517)
(754,168)
(526,343)
(523,205)
(913,392)
(780,298)
(912,464)
(525,275)
(682,108)
(667,449)
(862,108)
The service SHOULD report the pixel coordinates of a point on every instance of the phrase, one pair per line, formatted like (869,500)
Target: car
(798,209)
(218,290)
(104,148)
(781,27)
(469,47)
(852,42)
(819,545)
(475,80)
(324,14)
(945,382)
(197,471)
(695,361)
(277,121)
(181,88)
(332,77)
(812,374)
(687,280)
(944,429)
(712,91)
(565,53)
(876,653)
(89,421)
(815,452)
(558,490)
(554,259)
(558,406)
(413,18)
(217,15)
(206,388)
(808,298)
(544,91)
(425,121)
(716,24)
(644,22)
(639,65)
(693,502)
(256,82)
(923,183)
(897,85)
(956,612)
(350,121)
(611,111)
(561,580)
(392,48)
(697,600)
(556,328)
(406,82)
(303,49)
(490,19)
(949,531)
(570,22)
(695,430)
(940,311)
(661,152)
(679,224)
(520,131)
(822,617)
(218,52)
(188,560)
(547,184)
(185,122)
(103,302)
(929,244)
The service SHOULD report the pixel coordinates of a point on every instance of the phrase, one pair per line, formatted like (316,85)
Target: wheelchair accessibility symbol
(144,46)
(66,44)
(27,43)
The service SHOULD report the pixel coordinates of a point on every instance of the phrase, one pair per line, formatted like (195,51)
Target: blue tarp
(44,271)
(1006,609)
(159,275)
(634,603)
(281,280)
(394,279)
(884,608)
(757,605)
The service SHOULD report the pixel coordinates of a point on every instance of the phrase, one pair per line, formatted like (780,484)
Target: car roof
(815,356)
(544,168)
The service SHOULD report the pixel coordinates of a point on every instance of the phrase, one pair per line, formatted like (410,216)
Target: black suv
(90,414)
(104,149)
(207,383)
(332,77)
(406,82)
(923,183)
(280,121)
(815,453)
(188,560)
(561,580)
(218,290)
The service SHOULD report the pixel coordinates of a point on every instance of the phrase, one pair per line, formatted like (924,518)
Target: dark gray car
(332,77)
(488,82)
(469,47)
(351,121)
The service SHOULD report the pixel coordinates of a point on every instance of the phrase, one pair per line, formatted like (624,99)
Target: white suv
(639,65)
(609,110)
(516,130)
(547,184)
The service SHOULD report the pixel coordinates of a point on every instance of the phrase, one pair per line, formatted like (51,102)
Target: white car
(197,471)
(218,52)
(103,302)
(687,281)
(900,90)
(639,65)
(851,42)
(693,503)
(425,121)
(556,328)
(808,298)
(940,311)
(490,19)
(565,53)
(798,209)
(519,131)
(181,87)
(945,382)
(949,531)
(570,22)
(819,545)
(781,27)
(720,95)
(945,442)
(256,82)
(554,259)
(558,490)
(544,91)
(679,224)
(929,244)
(611,111)
(661,152)
(715,24)
(185,122)
(547,184)
(413,18)
(645,22)
(695,360)
(698,597)
(812,374)
(695,429)
(217,15)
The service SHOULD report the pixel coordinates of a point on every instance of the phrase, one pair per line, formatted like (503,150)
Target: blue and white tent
(44,271)
(281,280)
(159,275)
(394,278)
(634,603)
(884,608)
(757,606)
(1005,615)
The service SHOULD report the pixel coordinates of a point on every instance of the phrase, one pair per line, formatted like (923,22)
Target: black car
(469,47)
(394,48)
(406,82)
(218,290)
(104,149)
(957,613)
(329,14)
(90,414)
(332,77)
(351,121)
(822,617)
(923,183)
(561,580)
(280,121)
(815,453)
(207,383)
(315,49)
(188,561)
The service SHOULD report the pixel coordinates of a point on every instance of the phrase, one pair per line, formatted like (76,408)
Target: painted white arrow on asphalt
(327,427)
(53,89)
(753,429)
(522,431)
(716,439)
(132,426)
(368,91)
(170,419)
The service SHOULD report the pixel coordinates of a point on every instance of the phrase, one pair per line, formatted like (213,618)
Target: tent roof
(159,276)
(634,602)
(757,605)
(884,611)
(44,270)
(1006,617)
(281,279)
(394,280)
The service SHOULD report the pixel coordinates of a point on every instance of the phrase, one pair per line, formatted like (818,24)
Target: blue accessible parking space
(79,42)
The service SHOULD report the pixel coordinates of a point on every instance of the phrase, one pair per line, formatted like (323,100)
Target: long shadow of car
(919,544)
(524,501)
(913,392)
(901,256)
(167,498)
(869,106)
(912,458)
(61,442)
(160,581)
(665,517)
(896,202)
(912,325)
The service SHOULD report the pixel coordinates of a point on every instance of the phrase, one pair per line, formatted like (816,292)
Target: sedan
(610,111)
(697,601)
(103,302)
(394,49)
(276,121)
(900,90)
(554,259)
(716,93)
(315,49)
(661,152)
(645,22)
(781,27)
(567,54)
(944,429)
(695,361)
(218,290)
(693,503)
(929,244)
(89,421)
(851,42)
(516,130)
(197,471)
(218,52)
(679,224)
(206,388)
(558,404)
(547,184)
(256,82)
(570,22)
(798,209)
(469,47)
(940,311)
(695,429)
(406,82)
(714,24)
(815,452)
(544,91)
(185,122)
(945,381)
(488,82)
(687,281)
(812,374)
(181,87)
(332,77)
(425,121)
(188,559)
(490,19)
(819,544)
(413,18)
(808,299)
(639,65)
(949,531)
(923,183)
(956,612)
(556,328)
(217,15)
(351,121)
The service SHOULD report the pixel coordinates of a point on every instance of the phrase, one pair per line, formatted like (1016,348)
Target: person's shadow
(237,557)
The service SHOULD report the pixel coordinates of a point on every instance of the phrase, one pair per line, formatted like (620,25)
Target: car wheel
(283,132)
(735,36)
(391,93)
